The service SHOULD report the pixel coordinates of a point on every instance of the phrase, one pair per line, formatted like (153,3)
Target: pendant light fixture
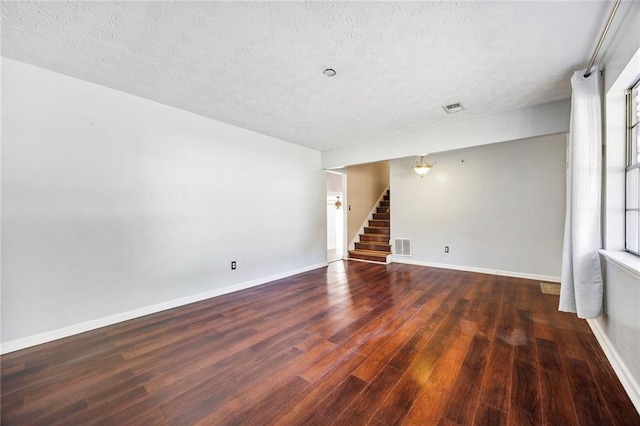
(422,167)
(338,203)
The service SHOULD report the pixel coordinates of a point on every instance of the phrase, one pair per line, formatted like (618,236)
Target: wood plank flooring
(352,344)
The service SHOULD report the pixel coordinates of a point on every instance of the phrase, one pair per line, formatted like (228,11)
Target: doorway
(335,215)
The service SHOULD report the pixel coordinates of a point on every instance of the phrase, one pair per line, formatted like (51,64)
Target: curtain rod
(602,36)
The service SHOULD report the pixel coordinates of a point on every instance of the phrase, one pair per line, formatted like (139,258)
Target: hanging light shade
(422,167)
(338,203)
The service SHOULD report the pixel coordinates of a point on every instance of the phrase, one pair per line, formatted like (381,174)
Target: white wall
(539,120)
(618,329)
(498,207)
(335,217)
(113,203)
(619,326)
(334,182)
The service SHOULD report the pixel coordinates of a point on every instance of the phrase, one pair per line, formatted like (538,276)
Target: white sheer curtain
(581,285)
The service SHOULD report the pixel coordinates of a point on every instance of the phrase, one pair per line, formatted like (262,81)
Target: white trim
(548,278)
(627,261)
(25,342)
(626,378)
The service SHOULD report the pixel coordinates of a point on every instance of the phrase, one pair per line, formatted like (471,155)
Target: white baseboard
(548,278)
(629,383)
(25,342)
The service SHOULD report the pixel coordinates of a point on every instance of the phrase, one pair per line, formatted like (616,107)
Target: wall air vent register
(402,246)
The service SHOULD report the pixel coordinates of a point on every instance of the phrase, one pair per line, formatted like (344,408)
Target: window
(633,171)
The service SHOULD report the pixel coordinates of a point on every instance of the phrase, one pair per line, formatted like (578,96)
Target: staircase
(374,243)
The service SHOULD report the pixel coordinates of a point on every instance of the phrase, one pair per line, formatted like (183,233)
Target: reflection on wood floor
(354,343)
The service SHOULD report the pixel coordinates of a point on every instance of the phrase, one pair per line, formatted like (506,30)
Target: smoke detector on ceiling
(451,108)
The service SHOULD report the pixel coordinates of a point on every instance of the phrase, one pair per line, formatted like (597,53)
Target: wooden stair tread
(368,255)
(378,238)
(377,252)
(376,243)
(369,252)
(383,244)
(384,230)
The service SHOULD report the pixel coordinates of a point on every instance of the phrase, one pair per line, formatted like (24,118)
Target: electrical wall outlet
(233,264)
(446,249)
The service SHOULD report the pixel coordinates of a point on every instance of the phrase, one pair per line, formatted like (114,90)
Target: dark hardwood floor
(351,344)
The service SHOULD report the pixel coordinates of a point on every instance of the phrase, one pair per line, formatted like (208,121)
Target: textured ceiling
(258,65)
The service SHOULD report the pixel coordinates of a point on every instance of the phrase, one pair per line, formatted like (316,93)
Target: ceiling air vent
(451,108)
(402,247)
